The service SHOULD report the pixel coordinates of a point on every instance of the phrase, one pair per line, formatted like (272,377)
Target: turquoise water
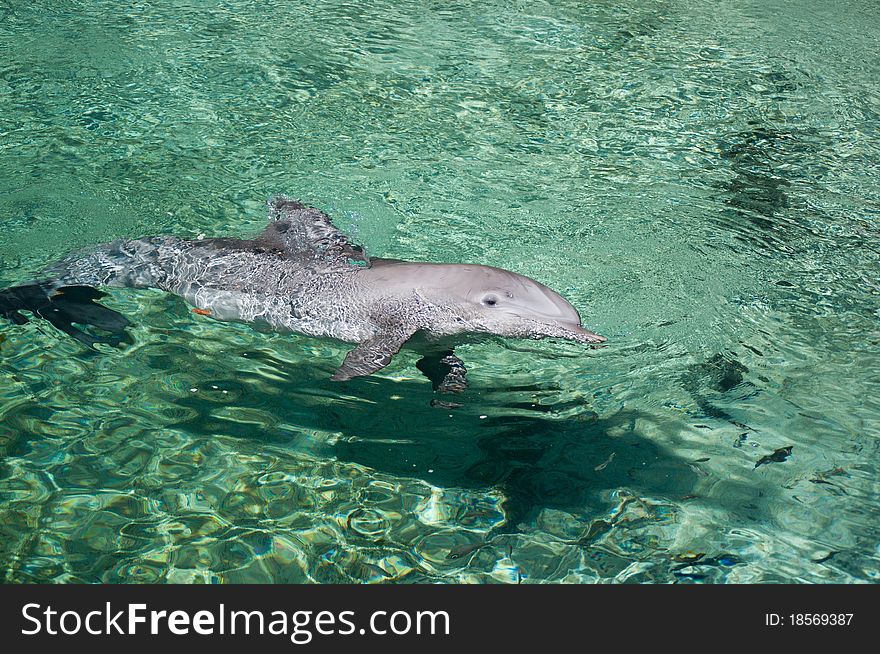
(700,179)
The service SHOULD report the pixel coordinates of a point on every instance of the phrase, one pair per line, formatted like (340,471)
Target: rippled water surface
(699,178)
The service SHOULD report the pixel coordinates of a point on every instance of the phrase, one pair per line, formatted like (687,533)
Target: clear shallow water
(700,179)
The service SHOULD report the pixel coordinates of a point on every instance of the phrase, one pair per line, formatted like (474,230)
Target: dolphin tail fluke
(64,308)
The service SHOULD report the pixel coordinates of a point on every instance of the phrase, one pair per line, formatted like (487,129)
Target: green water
(700,179)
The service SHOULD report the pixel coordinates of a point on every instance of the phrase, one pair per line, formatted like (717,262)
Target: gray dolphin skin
(303,275)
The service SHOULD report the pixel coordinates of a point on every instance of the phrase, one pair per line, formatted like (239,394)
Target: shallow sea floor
(700,179)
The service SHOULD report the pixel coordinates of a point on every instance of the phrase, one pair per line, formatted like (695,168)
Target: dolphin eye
(490,300)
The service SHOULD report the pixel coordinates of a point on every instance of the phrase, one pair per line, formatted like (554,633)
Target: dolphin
(303,275)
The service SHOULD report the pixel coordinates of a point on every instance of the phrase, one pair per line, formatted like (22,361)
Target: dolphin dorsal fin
(299,230)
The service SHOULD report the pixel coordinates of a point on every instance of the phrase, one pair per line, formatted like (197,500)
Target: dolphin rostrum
(301,274)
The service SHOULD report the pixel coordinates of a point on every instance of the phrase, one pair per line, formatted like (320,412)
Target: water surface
(700,179)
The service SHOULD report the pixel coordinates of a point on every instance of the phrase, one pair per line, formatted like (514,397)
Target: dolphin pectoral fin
(445,370)
(372,355)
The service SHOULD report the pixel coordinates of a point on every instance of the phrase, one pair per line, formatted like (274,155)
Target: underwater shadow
(535,461)
(539,449)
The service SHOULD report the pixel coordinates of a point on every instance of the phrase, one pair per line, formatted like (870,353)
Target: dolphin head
(498,301)
(509,304)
